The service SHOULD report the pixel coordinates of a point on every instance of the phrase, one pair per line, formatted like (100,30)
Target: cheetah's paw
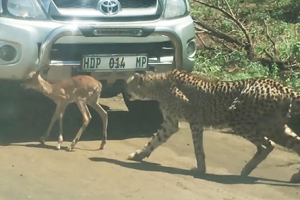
(137,156)
(42,140)
(295,178)
(197,170)
(70,148)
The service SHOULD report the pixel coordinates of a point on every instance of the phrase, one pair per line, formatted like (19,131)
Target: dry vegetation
(245,38)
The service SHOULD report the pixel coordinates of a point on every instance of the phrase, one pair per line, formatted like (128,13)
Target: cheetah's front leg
(168,128)
(197,134)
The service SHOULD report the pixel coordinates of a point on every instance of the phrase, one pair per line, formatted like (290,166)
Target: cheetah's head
(136,88)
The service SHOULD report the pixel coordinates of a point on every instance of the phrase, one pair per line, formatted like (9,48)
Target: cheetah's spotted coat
(256,109)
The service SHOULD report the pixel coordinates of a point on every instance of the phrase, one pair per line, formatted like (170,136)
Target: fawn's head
(143,86)
(32,80)
(134,87)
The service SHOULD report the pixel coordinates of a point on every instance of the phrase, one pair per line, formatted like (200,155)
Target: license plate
(113,62)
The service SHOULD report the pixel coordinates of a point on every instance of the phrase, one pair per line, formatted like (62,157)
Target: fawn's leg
(168,128)
(60,137)
(103,114)
(86,120)
(58,110)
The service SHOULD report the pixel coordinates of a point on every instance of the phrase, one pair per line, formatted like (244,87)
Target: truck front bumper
(25,37)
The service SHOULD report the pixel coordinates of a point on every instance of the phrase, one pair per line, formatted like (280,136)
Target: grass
(282,17)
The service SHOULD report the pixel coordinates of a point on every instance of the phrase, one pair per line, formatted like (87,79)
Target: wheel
(144,110)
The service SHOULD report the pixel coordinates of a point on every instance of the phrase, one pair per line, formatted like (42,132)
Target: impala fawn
(81,89)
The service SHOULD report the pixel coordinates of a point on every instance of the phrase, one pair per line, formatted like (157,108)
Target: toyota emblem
(109,7)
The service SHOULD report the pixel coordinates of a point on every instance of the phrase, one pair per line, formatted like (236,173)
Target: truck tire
(144,110)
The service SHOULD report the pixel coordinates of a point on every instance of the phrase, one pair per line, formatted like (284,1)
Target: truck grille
(74,52)
(108,19)
(93,3)
(146,10)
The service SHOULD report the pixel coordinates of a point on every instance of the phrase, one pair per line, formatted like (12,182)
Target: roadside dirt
(31,171)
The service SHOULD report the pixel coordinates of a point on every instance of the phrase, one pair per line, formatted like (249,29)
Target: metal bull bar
(73,30)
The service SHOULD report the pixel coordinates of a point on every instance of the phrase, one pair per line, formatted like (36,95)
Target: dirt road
(31,171)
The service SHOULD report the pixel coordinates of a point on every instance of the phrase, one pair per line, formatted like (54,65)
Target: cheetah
(256,109)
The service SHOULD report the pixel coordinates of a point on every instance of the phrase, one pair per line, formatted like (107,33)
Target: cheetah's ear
(138,79)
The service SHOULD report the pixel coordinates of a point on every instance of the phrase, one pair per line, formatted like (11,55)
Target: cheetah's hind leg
(264,148)
(289,139)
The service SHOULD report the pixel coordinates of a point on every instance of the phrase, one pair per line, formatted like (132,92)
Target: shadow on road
(224,179)
(26,120)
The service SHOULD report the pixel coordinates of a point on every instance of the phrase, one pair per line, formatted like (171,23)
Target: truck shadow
(26,120)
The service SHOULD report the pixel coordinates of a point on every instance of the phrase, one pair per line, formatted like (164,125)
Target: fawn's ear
(30,74)
(138,79)
(36,73)
(43,70)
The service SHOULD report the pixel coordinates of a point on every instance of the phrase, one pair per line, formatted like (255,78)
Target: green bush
(281,16)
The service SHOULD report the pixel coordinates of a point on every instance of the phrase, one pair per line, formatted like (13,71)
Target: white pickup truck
(106,39)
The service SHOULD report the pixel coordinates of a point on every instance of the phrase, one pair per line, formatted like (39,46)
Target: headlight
(1,10)
(175,8)
(26,9)
(8,53)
